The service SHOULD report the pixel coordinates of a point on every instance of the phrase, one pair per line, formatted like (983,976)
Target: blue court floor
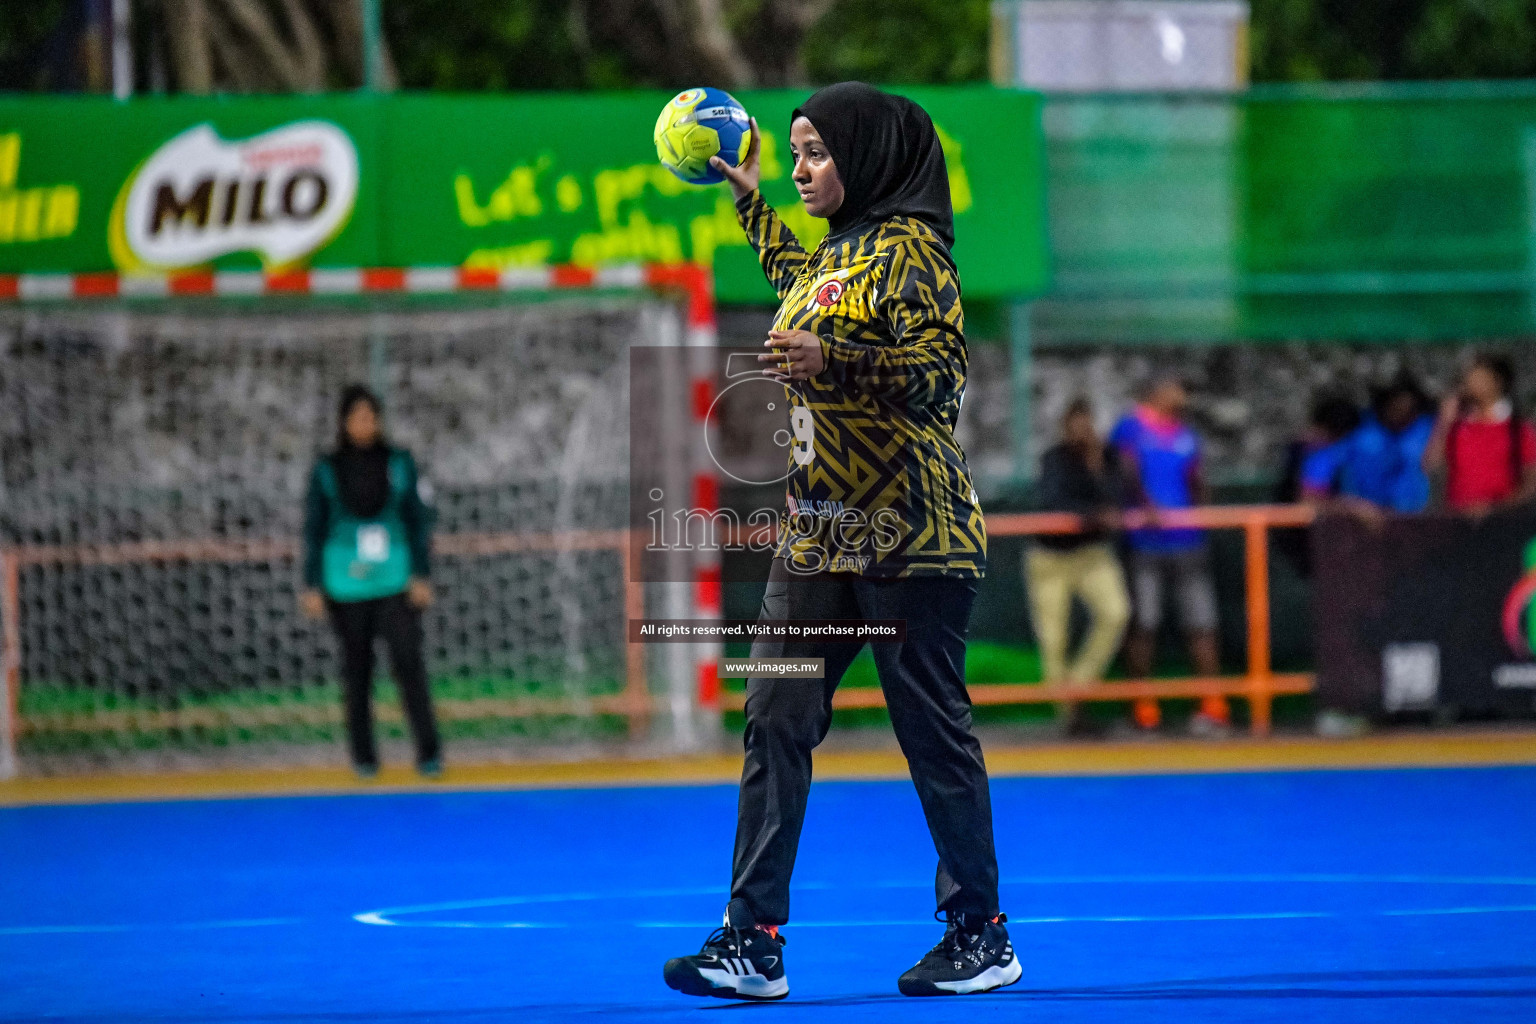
(1327,896)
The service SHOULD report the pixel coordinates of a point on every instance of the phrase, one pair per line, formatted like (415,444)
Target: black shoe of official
(738,961)
(973,956)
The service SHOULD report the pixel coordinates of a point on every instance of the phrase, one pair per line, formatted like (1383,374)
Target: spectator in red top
(1486,451)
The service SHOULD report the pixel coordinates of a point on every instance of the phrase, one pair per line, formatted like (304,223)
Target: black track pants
(924,683)
(358,624)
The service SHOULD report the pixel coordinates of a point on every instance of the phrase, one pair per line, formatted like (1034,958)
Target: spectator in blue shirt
(1160,459)
(1378,467)
(1312,471)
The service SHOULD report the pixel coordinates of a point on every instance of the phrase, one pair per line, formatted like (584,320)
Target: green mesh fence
(154,471)
(1364,214)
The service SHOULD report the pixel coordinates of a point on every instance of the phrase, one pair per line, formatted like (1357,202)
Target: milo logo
(283,195)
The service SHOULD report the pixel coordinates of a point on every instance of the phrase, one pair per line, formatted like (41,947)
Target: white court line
(85,929)
(1279,915)
(1261,879)
(388,916)
(372,919)
(385,916)
(928,923)
(1282,915)
(1519,909)
(801,924)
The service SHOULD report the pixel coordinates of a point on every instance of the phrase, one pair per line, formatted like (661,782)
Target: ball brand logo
(829,293)
(730,113)
(763,403)
(283,194)
(691,96)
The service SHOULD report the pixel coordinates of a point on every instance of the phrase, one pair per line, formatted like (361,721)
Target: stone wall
(1247,401)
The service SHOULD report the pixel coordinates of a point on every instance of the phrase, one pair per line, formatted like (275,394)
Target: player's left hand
(419,593)
(796,356)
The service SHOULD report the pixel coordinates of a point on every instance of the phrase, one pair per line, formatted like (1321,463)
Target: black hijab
(362,474)
(887,155)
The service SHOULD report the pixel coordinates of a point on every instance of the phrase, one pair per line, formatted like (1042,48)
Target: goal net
(154,464)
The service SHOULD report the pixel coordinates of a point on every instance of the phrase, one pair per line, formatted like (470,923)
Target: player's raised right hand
(743,180)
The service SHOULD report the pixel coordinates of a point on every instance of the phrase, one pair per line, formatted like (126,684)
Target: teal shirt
(353,558)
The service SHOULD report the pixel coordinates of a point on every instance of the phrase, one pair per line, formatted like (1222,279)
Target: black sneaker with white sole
(739,961)
(974,956)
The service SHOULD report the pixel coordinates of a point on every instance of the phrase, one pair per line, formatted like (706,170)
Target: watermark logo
(763,405)
(759,431)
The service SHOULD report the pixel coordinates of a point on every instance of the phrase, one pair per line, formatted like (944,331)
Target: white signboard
(283,194)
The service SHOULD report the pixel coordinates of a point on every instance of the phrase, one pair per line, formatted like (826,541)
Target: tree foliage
(1331,40)
(544,44)
(195,46)
(476,45)
(30,36)
(901,42)
(205,46)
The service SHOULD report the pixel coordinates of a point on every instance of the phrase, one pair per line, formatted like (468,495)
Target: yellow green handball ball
(698,124)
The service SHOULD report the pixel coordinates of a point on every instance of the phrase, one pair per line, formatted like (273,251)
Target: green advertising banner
(1390,212)
(157,185)
(69,167)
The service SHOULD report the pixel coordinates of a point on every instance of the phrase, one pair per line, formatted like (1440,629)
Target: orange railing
(1259,685)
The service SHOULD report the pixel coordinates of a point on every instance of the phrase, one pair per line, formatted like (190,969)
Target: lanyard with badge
(372,544)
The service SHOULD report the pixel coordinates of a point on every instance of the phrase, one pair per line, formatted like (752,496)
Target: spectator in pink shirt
(1483,447)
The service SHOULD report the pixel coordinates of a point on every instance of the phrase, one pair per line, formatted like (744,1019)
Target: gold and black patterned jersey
(877,486)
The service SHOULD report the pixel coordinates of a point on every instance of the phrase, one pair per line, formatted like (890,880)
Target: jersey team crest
(829,293)
(848,291)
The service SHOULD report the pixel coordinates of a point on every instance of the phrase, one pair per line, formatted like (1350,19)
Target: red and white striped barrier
(356,281)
